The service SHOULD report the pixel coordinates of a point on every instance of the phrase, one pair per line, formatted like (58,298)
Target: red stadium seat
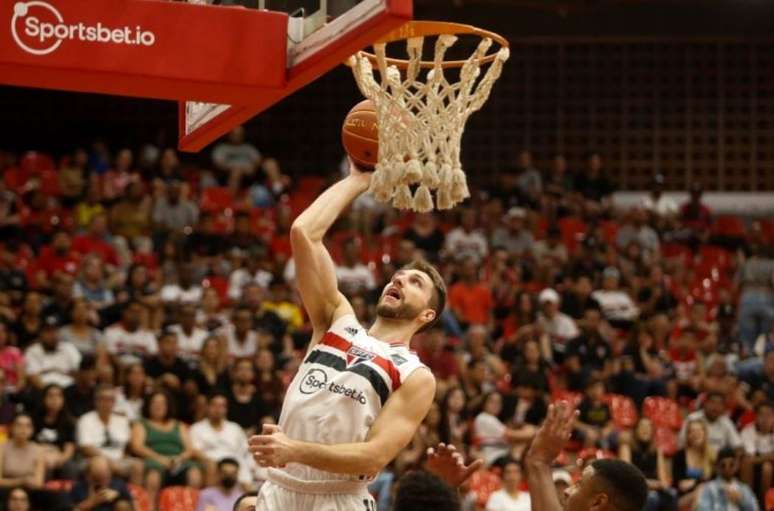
(572,230)
(662,412)
(178,498)
(62,485)
(677,251)
(34,162)
(623,409)
(729,225)
(770,500)
(217,200)
(139,497)
(767,229)
(715,256)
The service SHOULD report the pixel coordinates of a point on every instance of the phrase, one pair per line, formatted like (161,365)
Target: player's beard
(402,311)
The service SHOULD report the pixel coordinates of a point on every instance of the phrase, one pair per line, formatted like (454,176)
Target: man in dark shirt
(170,371)
(79,397)
(591,347)
(100,491)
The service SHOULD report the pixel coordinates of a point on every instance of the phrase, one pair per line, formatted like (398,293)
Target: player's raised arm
(315,271)
(546,446)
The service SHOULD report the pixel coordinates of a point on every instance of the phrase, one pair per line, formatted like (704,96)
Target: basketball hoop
(421,122)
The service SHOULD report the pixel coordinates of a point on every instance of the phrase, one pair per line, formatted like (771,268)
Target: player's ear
(427,316)
(599,502)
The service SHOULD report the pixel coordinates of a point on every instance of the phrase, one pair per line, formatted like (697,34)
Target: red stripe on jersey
(335,341)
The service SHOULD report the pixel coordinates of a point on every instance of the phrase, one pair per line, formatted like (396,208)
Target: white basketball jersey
(340,389)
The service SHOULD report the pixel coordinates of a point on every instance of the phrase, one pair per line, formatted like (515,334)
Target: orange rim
(434,28)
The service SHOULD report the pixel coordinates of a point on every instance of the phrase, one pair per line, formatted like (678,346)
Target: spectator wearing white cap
(512,234)
(557,325)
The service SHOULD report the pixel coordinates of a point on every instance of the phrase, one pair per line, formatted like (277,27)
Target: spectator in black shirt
(29,324)
(594,184)
(79,397)
(652,464)
(171,372)
(244,404)
(204,241)
(211,375)
(595,420)
(526,405)
(578,298)
(55,432)
(426,235)
(531,367)
(62,298)
(591,347)
(640,371)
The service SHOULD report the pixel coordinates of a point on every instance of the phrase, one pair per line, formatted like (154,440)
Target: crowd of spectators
(149,325)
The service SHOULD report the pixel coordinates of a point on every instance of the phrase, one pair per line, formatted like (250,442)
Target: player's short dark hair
(243,497)
(438,298)
(422,491)
(626,486)
(726,453)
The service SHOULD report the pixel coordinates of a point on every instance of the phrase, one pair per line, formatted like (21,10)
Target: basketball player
(605,485)
(359,395)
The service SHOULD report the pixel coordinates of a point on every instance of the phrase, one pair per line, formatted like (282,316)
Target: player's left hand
(272,448)
(448,464)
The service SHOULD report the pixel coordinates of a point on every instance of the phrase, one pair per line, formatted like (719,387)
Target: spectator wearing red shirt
(94,241)
(57,257)
(471,299)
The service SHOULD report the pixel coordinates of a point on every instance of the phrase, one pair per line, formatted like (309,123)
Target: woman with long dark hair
(55,432)
(453,428)
(132,392)
(643,454)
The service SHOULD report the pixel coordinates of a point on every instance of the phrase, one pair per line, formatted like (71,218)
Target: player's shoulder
(347,326)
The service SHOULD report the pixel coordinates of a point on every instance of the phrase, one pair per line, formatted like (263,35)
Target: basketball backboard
(321,35)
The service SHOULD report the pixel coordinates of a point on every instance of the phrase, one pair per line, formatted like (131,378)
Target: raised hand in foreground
(448,464)
(553,434)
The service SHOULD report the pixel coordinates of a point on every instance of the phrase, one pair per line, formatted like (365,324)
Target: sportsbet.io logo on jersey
(39,28)
(316,379)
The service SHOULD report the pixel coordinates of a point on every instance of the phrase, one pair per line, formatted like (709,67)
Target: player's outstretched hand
(359,172)
(448,464)
(272,448)
(553,434)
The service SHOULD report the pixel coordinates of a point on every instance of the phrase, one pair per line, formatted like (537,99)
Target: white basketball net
(421,123)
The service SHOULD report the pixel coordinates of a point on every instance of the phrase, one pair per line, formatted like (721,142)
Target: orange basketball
(360,135)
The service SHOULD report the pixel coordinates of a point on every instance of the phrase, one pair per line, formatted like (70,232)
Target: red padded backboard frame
(390,15)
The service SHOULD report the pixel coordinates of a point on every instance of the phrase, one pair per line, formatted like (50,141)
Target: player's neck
(392,331)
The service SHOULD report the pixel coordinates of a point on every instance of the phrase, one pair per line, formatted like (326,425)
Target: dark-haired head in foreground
(422,491)
(612,485)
